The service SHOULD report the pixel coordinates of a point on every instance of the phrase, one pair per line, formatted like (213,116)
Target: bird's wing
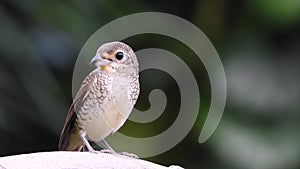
(66,135)
(69,138)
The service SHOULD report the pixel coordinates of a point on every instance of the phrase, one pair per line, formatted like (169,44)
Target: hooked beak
(99,61)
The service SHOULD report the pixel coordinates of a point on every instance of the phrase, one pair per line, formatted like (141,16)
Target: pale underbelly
(104,124)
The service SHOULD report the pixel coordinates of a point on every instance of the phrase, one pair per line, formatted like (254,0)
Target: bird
(104,100)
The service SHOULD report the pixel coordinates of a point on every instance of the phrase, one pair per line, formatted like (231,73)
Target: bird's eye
(119,55)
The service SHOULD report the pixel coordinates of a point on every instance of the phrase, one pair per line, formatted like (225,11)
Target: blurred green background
(258,42)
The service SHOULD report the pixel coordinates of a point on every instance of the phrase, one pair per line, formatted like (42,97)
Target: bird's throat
(108,69)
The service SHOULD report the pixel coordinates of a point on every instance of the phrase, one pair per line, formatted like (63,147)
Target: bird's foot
(108,151)
(131,155)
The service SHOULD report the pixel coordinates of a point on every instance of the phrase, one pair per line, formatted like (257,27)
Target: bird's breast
(106,107)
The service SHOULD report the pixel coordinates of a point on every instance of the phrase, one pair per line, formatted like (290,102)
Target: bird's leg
(107,147)
(85,141)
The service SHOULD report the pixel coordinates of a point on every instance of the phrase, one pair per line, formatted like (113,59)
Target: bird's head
(115,56)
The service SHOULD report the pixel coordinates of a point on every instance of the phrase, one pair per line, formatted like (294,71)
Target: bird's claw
(107,151)
(131,155)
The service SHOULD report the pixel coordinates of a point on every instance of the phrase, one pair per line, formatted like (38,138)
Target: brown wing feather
(69,138)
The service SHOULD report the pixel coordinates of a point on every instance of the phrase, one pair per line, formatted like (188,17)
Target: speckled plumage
(105,99)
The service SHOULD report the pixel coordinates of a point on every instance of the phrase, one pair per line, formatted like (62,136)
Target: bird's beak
(99,61)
